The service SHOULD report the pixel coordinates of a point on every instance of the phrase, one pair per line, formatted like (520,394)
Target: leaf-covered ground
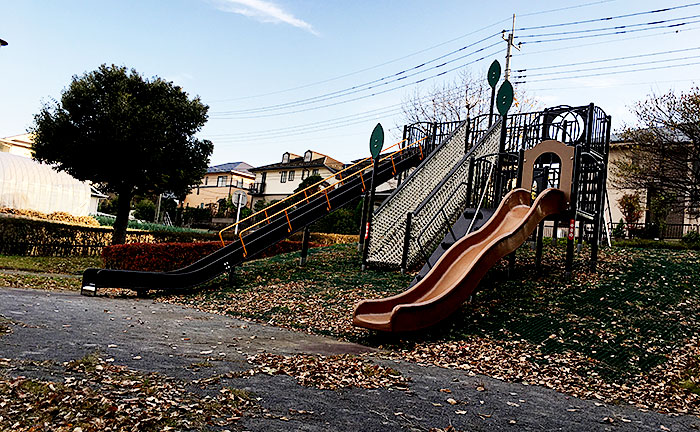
(627,333)
(95,395)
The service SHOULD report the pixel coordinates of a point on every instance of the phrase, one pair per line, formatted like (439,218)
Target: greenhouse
(30,185)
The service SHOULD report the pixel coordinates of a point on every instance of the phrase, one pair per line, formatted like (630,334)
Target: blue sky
(240,55)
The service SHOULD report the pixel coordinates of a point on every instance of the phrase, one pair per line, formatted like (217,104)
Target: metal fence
(644,230)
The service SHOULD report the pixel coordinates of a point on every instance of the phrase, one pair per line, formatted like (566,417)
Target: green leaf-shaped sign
(376,141)
(504,98)
(494,73)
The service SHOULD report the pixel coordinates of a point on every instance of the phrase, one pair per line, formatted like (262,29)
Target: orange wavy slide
(457,273)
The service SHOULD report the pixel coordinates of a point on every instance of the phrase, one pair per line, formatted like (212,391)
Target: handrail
(307,196)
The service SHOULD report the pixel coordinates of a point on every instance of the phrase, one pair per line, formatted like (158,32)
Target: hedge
(32,237)
(171,256)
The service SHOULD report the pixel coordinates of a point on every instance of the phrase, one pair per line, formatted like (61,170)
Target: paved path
(64,326)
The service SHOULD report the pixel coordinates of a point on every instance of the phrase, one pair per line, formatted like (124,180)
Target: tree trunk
(122,220)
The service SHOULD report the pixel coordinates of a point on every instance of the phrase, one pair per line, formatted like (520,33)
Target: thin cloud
(263,11)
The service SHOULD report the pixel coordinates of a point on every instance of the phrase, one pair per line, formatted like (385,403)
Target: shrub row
(171,256)
(31,237)
(327,239)
(657,244)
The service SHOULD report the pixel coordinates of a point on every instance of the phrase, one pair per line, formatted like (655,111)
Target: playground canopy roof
(27,184)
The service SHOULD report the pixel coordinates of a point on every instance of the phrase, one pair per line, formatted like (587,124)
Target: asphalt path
(164,338)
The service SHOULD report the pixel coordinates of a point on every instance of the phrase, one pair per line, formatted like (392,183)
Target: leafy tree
(307,182)
(145,210)
(631,207)
(129,134)
(664,158)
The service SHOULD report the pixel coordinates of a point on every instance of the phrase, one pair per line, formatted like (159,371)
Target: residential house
(219,182)
(20,145)
(278,180)
(618,149)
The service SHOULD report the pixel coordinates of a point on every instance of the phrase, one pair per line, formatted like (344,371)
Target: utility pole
(509,39)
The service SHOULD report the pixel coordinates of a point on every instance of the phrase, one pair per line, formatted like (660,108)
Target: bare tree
(465,97)
(665,155)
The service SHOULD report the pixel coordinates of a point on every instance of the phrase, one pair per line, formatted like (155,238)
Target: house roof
(297,162)
(675,135)
(240,167)
(22,140)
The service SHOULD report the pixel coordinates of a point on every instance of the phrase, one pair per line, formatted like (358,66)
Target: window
(307,156)
(206,180)
(221,181)
(304,174)
(291,176)
(283,177)
(315,172)
(285,158)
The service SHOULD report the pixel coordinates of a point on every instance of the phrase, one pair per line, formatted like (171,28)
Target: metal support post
(470,181)
(305,246)
(370,212)
(361,241)
(406,243)
(538,246)
(499,160)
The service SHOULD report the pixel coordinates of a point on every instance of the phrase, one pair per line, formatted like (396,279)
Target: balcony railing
(257,188)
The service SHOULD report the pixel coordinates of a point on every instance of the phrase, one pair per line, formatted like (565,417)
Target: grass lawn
(67,271)
(627,333)
(70,265)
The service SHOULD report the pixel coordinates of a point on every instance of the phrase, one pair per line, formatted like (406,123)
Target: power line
(609,67)
(609,28)
(608,60)
(366,96)
(608,73)
(608,18)
(403,75)
(616,85)
(368,85)
(609,34)
(450,95)
(411,54)
(598,43)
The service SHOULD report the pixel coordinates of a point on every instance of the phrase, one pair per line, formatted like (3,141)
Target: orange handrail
(307,197)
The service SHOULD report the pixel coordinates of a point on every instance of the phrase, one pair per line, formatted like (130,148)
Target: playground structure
(558,155)
(463,202)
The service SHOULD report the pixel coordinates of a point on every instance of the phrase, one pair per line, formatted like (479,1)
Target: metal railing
(318,189)
(648,230)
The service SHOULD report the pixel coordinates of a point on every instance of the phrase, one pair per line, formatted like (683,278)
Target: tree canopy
(128,134)
(664,158)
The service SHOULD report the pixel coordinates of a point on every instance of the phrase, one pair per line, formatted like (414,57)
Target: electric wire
(608,67)
(609,33)
(411,54)
(608,73)
(607,28)
(654,11)
(607,60)
(368,85)
(357,89)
